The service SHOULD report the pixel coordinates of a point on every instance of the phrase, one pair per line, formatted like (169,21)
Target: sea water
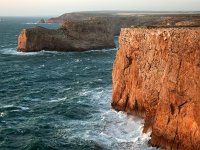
(60,101)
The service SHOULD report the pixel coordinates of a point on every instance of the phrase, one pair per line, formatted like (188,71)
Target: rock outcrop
(156,75)
(41,21)
(72,36)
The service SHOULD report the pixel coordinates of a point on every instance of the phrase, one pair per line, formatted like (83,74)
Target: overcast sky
(58,7)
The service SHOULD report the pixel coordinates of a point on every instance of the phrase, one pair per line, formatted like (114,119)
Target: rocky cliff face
(156,75)
(72,36)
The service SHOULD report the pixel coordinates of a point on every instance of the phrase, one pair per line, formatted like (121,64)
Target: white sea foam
(34,23)
(86,68)
(57,100)
(101,50)
(13,51)
(77,60)
(30,23)
(119,130)
(15,108)
(24,108)
(42,66)
(84,92)
(2,114)
(7,106)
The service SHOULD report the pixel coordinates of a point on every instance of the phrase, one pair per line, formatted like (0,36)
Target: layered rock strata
(72,36)
(156,75)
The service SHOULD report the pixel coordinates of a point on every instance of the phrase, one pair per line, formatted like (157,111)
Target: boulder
(156,75)
(72,36)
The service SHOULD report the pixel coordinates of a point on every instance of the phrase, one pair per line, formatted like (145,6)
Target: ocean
(60,101)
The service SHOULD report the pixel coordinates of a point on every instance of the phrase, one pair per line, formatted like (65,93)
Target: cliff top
(87,26)
(153,27)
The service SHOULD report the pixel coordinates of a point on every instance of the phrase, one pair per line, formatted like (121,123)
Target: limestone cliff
(72,36)
(156,75)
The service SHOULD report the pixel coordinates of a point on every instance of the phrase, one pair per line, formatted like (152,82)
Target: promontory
(72,36)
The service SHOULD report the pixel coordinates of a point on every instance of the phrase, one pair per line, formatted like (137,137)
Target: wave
(13,108)
(107,128)
(77,60)
(2,114)
(30,23)
(34,23)
(118,130)
(122,130)
(13,51)
(57,100)
(102,50)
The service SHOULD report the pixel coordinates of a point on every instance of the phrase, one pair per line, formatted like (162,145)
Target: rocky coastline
(125,19)
(72,36)
(156,75)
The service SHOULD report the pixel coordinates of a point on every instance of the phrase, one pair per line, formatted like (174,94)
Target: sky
(58,7)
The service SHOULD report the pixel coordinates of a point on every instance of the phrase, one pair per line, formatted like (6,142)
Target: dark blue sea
(60,101)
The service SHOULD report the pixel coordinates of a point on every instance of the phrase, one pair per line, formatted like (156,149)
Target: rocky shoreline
(156,75)
(72,36)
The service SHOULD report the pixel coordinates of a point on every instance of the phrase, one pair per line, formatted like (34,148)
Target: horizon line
(136,11)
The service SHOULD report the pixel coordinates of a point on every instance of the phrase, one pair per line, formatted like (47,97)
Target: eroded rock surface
(72,36)
(156,75)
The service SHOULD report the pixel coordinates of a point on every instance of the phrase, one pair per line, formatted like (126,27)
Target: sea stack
(41,21)
(72,36)
(156,75)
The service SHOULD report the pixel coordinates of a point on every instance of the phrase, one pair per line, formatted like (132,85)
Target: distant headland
(123,19)
(95,29)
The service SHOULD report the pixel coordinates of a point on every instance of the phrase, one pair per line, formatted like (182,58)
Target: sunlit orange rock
(156,75)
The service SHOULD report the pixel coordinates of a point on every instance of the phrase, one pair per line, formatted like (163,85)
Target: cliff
(124,19)
(156,75)
(72,36)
